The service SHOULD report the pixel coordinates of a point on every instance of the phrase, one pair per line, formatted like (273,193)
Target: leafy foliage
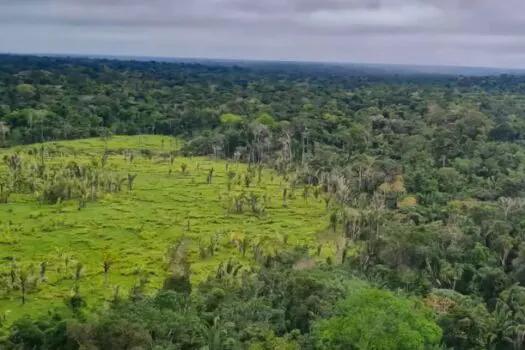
(402,190)
(375,319)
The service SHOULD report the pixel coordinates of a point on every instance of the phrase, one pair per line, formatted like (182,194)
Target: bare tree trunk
(303,148)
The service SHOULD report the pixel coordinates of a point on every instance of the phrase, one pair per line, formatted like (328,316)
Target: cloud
(457,32)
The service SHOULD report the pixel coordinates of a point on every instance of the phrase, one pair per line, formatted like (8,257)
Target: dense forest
(423,177)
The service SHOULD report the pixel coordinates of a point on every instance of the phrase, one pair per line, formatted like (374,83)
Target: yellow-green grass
(136,228)
(96,145)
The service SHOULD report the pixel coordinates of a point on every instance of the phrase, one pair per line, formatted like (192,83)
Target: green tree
(374,319)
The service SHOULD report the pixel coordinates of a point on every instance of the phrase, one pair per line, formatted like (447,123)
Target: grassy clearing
(135,228)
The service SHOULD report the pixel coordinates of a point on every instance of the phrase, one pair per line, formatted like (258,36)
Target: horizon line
(167,59)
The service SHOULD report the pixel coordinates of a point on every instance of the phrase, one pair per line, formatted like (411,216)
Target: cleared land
(134,229)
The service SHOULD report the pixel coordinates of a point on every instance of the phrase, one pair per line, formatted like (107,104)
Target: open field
(135,228)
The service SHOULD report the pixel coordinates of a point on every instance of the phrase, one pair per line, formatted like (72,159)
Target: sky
(428,32)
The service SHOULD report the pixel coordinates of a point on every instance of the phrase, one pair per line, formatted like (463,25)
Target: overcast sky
(448,32)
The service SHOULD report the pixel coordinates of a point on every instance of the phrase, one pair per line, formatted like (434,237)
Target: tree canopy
(422,178)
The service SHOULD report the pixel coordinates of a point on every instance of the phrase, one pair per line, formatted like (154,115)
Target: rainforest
(202,205)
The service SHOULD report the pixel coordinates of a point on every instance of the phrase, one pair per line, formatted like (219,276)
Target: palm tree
(79,268)
(105,134)
(216,335)
(505,327)
(25,281)
(43,269)
(107,262)
(210,175)
(131,178)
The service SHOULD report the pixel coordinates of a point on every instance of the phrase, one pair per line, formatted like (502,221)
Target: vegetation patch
(107,237)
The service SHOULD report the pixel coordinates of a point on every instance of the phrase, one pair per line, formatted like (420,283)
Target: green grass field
(136,227)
